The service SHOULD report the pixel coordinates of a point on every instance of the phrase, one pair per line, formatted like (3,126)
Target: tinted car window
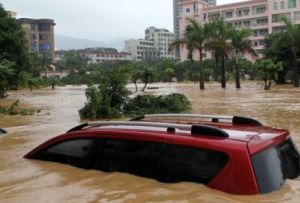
(140,158)
(164,162)
(276,164)
(181,163)
(77,152)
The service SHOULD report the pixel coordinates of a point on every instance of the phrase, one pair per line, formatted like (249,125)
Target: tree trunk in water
(266,84)
(146,82)
(136,87)
(296,75)
(237,76)
(223,72)
(201,72)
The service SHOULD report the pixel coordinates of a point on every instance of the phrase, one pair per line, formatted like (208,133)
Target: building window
(291,3)
(44,27)
(44,47)
(33,37)
(195,5)
(187,10)
(275,5)
(229,14)
(32,27)
(282,5)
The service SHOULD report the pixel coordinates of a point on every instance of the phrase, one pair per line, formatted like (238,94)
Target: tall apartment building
(154,46)
(176,16)
(40,35)
(262,16)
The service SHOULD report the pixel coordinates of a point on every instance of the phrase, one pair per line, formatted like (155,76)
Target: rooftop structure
(12,14)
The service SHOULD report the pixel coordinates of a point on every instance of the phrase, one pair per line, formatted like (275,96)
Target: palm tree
(240,44)
(195,38)
(291,37)
(219,42)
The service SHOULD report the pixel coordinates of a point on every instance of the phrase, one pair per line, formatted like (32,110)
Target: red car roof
(258,138)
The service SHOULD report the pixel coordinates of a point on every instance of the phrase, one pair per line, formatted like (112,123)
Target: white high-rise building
(154,46)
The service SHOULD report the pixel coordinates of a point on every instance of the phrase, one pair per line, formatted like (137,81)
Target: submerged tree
(241,44)
(267,70)
(220,33)
(6,71)
(195,38)
(13,47)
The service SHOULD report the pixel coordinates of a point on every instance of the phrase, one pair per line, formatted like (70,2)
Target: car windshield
(276,164)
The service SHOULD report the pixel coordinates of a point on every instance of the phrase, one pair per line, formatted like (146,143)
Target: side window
(135,157)
(76,152)
(182,163)
(163,162)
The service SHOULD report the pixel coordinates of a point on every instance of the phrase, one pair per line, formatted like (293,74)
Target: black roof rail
(208,130)
(137,118)
(2,131)
(79,127)
(246,121)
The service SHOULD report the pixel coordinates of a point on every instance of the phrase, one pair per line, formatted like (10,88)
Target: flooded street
(24,180)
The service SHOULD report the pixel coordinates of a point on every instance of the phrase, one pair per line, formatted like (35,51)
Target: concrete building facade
(177,10)
(40,35)
(98,55)
(154,46)
(262,16)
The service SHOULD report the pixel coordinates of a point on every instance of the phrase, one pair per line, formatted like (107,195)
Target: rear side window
(276,164)
(181,163)
(164,162)
(77,152)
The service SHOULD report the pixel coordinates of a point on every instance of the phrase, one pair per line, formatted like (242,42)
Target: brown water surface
(24,180)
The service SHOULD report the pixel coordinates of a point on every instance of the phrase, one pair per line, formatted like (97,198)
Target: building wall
(259,15)
(40,35)
(100,55)
(177,10)
(154,46)
(141,49)
(162,39)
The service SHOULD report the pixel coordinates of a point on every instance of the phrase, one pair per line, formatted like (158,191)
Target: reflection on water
(29,180)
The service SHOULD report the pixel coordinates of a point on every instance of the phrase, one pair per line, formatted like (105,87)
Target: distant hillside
(66,43)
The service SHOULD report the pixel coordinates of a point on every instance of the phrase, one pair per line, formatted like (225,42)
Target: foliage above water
(109,98)
(151,104)
(268,71)
(13,109)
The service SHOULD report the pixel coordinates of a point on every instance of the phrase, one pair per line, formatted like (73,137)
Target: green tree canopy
(13,46)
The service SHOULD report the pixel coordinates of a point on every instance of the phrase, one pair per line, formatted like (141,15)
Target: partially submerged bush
(110,99)
(107,99)
(13,110)
(149,104)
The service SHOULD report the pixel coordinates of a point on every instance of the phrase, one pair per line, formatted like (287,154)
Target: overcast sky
(100,20)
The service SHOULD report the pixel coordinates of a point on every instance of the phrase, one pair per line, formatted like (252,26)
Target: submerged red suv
(233,154)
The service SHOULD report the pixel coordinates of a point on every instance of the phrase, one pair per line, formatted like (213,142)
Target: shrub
(149,104)
(107,99)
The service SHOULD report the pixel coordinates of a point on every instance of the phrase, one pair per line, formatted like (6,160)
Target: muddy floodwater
(24,180)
